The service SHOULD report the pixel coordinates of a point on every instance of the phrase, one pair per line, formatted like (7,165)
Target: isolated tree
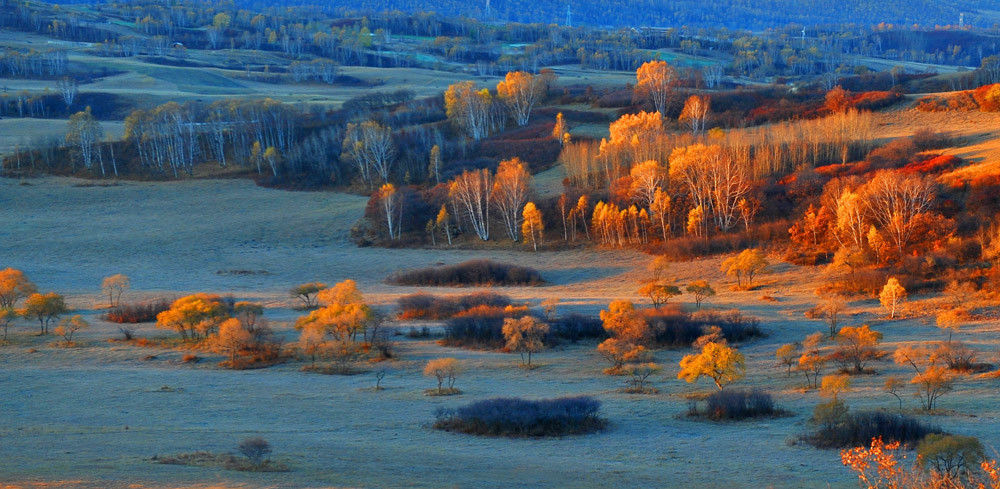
(255,450)
(951,457)
(659,293)
(307,293)
(931,379)
(857,345)
(472,193)
(344,314)
(69,326)
(830,310)
(443,222)
(717,361)
(14,286)
(838,100)
(700,290)
(232,338)
(787,356)
(833,386)
(560,132)
(525,336)
(639,374)
(392,209)
(114,286)
(893,386)
(84,132)
(892,295)
(520,91)
(695,113)
(656,80)
(44,308)
(7,317)
(628,332)
(745,266)
(510,192)
(194,316)
(444,370)
(812,362)
(371,147)
(532,224)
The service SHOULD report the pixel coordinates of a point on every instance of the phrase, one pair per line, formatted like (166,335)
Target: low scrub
(136,313)
(520,418)
(428,306)
(858,429)
(468,274)
(674,328)
(737,404)
(220,460)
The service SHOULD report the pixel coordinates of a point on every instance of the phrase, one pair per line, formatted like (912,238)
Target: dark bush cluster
(858,429)
(428,306)
(515,417)
(737,404)
(575,327)
(675,328)
(470,273)
(480,327)
(136,313)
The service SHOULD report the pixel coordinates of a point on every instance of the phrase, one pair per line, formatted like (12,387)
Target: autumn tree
(44,308)
(69,326)
(370,145)
(472,193)
(312,342)
(114,286)
(392,209)
(659,210)
(443,222)
(931,379)
(700,290)
(659,293)
(639,374)
(532,224)
(714,180)
(745,266)
(833,386)
(469,108)
(628,332)
(812,361)
(656,80)
(194,316)
(892,295)
(695,113)
(307,293)
(344,314)
(717,361)
(434,165)
(786,356)
(84,133)
(525,336)
(647,177)
(509,193)
(898,204)
(857,345)
(830,310)
(232,338)
(7,317)
(14,286)
(838,100)
(520,91)
(560,131)
(444,370)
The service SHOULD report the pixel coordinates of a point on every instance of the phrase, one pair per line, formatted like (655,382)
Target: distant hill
(734,14)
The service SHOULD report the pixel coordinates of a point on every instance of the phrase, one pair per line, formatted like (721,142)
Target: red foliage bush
(934,164)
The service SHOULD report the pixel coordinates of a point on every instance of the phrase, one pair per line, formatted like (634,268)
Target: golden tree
(835,385)
(892,295)
(532,224)
(44,308)
(469,108)
(114,286)
(656,80)
(521,91)
(307,293)
(931,379)
(629,334)
(700,290)
(69,326)
(472,192)
(194,316)
(443,222)
(509,193)
(525,336)
(391,209)
(231,339)
(812,362)
(695,113)
(786,355)
(745,266)
(717,361)
(647,178)
(312,341)
(443,369)
(14,286)
(659,293)
(560,131)
(659,208)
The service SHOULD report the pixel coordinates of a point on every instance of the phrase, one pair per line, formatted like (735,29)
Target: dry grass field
(94,415)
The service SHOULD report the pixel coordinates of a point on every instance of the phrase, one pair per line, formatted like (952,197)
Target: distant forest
(732,14)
